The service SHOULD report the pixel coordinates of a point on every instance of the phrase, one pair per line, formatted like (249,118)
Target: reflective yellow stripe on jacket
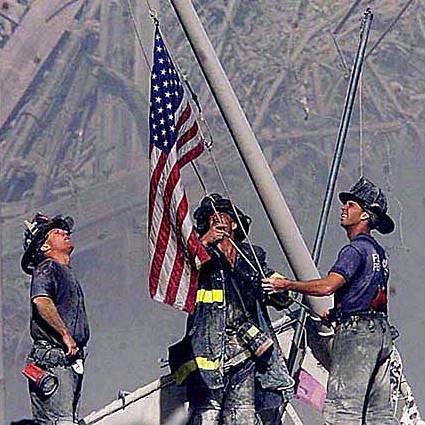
(252,331)
(187,368)
(209,296)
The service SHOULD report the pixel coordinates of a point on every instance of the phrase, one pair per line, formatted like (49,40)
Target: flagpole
(2,377)
(280,217)
(296,354)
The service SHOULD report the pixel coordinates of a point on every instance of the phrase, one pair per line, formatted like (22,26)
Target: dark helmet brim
(344,197)
(57,222)
(385,223)
(206,210)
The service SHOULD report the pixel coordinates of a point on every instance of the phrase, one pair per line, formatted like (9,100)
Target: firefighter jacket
(199,358)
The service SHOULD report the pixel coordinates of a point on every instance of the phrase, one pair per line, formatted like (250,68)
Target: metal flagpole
(295,355)
(2,377)
(281,219)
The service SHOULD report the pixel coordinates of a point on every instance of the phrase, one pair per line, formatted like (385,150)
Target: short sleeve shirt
(58,282)
(364,266)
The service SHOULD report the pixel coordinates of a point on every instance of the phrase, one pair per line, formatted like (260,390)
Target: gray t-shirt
(59,283)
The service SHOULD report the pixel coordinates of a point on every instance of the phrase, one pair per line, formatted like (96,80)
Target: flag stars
(166,97)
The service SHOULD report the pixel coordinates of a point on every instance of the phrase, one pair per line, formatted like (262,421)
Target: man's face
(352,214)
(223,219)
(59,240)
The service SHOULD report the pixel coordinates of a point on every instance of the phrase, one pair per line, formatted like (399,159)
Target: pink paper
(311,391)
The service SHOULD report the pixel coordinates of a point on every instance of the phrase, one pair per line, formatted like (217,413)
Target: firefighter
(59,325)
(230,359)
(359,379)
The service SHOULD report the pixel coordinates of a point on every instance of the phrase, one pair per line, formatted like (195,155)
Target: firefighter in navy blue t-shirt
(359,378)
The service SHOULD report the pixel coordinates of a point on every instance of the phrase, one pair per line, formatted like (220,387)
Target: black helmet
(215,202)
(371,198)
(35,235)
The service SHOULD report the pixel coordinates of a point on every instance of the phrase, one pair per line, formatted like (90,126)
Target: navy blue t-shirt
(58,282)
(364,266)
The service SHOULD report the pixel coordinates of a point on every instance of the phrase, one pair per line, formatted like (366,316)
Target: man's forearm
(48,311)
(315,287)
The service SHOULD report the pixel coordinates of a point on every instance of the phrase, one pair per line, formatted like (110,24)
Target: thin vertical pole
(2,377)
(295,355)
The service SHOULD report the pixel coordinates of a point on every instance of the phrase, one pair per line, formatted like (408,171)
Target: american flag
(175,140)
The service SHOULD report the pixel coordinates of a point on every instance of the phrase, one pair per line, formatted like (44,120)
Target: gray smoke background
(77,144)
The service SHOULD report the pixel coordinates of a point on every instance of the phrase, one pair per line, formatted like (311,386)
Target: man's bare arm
(317,287)
(48,311)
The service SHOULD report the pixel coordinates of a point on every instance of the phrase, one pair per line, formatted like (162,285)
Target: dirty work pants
(60,408)
(359,391)
(235,404)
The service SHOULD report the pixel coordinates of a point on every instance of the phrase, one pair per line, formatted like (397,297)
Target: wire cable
(389,28)
(136,31)
(209,146)
(361,147)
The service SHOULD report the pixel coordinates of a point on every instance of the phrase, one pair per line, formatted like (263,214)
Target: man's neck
(60,257)
(352,232)
(227,248)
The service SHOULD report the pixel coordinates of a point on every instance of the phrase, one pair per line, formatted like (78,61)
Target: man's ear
(234,226)
(45,247)
(364,216)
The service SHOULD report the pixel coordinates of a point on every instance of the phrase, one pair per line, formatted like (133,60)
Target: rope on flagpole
(136,31)
(209,145)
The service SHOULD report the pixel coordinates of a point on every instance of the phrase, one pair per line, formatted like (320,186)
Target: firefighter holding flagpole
(359,380)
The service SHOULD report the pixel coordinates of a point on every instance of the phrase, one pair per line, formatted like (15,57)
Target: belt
(40,343)
(341,317)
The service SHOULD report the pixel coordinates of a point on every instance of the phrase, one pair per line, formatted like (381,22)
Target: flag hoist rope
(136,30)
(209,145)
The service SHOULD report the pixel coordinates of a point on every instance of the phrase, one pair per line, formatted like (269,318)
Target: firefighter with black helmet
(59,325)
(230,359)
(359,379)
